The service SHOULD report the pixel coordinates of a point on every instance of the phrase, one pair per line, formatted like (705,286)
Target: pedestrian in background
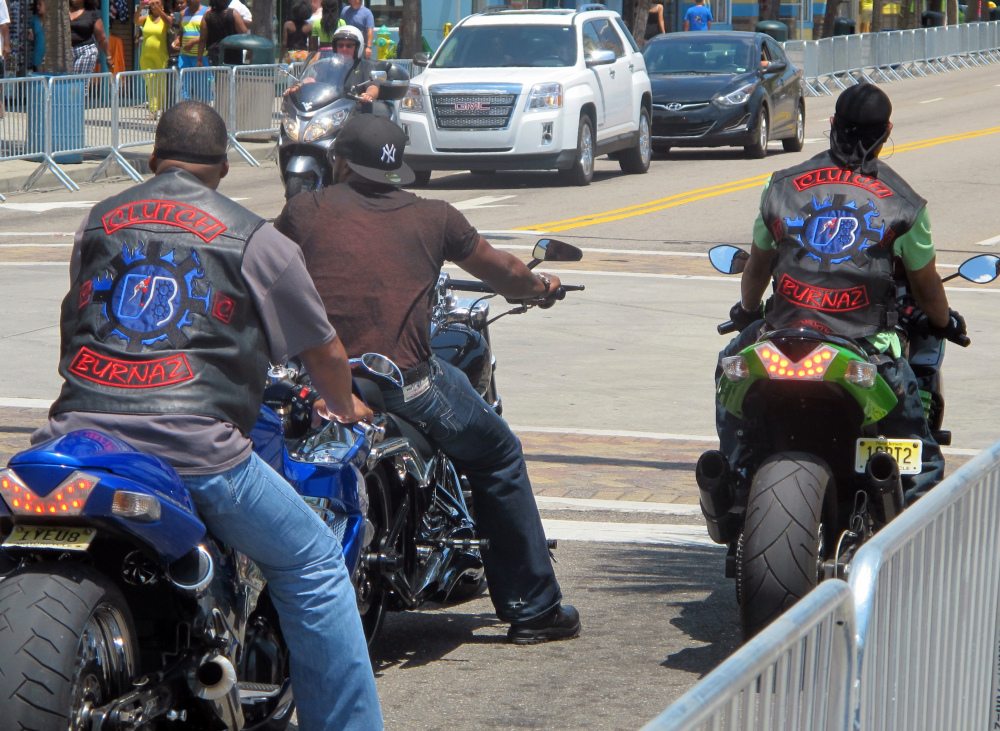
(361,18)
(322,32)
(654,23)
(243,11)
(699,17)
(155,22)
(188,41)
(865,16)
(36,34)
(218,24)
(4,45)
(88,36)
(295,34)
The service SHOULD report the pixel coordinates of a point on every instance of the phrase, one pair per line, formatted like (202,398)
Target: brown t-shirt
(375,256)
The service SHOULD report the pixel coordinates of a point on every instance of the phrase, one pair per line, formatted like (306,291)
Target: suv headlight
(413,101)
(323,126)
(740,96)
(545,96)
(291,124)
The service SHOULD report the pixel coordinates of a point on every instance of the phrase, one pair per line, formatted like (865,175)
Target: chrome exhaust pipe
(213,680)
(715,486)
(885,486)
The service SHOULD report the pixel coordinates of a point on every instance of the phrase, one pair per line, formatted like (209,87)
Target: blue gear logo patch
(147,298)
(836,229)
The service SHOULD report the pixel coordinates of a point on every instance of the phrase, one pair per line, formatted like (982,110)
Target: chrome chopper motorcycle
(313,114)
(418,542)
(815,479)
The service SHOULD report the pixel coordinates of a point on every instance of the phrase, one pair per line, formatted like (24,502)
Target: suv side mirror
(775,67)
(421,59)
(599,58)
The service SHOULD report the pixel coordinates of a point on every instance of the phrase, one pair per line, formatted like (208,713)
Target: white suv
(531,90)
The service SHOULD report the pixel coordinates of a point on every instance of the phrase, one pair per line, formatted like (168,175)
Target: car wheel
(635,160)
(422,178)
(795,144)
(582,171)
(762,132)
(660,149)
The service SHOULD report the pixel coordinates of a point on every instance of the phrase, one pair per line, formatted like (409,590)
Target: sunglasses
(346,44)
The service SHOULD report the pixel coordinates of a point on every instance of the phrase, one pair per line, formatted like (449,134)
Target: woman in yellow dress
(155,23)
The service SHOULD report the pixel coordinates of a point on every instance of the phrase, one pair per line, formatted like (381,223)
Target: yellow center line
(691,196)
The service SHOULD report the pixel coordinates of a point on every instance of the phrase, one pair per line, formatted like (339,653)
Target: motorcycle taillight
(67,499)
(780,366)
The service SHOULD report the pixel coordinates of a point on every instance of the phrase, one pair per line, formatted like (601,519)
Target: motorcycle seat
(397,425)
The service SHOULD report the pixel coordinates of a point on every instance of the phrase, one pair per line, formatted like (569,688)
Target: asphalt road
(611,392)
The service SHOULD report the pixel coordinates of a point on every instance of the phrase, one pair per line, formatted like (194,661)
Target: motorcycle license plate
(60,538)
(907,453)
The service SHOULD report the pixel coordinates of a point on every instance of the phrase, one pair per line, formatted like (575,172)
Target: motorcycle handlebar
(962,340)
(470,285)
(727,327)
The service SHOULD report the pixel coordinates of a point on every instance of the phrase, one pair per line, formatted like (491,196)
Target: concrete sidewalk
(14,173)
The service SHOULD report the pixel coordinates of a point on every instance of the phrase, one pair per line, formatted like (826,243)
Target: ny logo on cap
(389,154)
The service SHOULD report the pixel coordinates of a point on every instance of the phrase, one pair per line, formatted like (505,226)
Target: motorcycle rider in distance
(249,299)
(348,44)
(829,234)
(375,253)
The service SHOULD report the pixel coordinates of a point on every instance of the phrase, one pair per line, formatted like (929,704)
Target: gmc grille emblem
(472,106)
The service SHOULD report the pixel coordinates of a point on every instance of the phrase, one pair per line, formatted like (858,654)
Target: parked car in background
(717,89)
(531,90)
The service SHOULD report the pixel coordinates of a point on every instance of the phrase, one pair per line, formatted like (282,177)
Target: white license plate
(907,453)
(60,538)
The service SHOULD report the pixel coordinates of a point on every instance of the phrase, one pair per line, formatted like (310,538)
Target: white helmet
(353,34)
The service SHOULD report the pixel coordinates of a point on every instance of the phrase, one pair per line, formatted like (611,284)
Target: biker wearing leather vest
(178,296)
(830,234)
(375,253)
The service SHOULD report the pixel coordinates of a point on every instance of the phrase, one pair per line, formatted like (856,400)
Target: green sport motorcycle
(814,479)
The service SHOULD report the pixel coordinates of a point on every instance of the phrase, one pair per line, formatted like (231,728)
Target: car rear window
(492,46)
(684,54)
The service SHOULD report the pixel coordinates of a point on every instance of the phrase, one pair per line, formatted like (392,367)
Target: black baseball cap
(863,105)
(373,148)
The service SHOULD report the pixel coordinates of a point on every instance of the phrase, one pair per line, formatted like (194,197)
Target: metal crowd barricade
(796,675)
(23,125)
(142,97)
(257,94)
(215,86)
(927,599)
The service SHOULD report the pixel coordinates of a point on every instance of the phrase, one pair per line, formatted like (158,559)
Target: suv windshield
(492,46)
(684,54)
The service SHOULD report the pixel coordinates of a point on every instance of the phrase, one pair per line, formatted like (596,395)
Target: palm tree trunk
(826,30)
(877,15)
(952,12)
(58,41)
(263,19)
(411,30)
(639,24)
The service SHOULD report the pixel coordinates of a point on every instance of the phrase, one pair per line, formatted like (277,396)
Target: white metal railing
(927,597)
(841,61)
(796,675)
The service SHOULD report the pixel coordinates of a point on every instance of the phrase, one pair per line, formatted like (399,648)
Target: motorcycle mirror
(379,365)
(728,259)
(980,269)
(379,76)
(553,250)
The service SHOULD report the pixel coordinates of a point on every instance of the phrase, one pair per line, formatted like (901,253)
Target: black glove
(744,318)
(954,331)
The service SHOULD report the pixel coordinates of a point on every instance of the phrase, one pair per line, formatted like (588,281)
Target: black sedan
(717,89)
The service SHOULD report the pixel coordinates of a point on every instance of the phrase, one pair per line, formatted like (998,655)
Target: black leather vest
(834,230)
(159,319)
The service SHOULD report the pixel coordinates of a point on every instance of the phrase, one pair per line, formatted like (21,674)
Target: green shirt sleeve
(761,234)
(915,246)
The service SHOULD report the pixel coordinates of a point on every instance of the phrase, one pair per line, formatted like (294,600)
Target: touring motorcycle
(121,613)
(419,541)
(313,114)
(816,479)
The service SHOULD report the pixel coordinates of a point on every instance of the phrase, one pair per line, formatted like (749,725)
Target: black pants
(905,421)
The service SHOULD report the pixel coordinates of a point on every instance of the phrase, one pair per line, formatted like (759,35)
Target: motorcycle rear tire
(295,185)
(55,615)
(380,512)
(783,536)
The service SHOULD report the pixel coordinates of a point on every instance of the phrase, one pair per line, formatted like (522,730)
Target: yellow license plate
(60,538)
(907,453)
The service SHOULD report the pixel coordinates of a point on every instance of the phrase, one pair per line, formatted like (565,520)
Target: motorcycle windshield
(332,71)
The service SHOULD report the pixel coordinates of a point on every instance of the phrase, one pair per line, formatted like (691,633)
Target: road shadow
(507,180)
(418,638)
(710,153)
(713,620)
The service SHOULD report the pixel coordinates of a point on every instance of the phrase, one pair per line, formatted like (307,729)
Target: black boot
(561,623)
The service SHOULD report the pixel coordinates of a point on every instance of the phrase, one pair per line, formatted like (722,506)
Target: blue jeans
(252,509)
(197,86)
(906,420)
(519,571)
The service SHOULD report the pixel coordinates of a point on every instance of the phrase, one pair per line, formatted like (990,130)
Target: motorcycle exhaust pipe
(885,486)
(715,485)
(213,681)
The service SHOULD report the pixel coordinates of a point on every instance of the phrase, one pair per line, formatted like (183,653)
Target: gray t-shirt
(294,320)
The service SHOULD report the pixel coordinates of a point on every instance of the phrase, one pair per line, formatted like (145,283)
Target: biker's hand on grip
(553,293)
(955,330)
(745,318)
(358,412)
